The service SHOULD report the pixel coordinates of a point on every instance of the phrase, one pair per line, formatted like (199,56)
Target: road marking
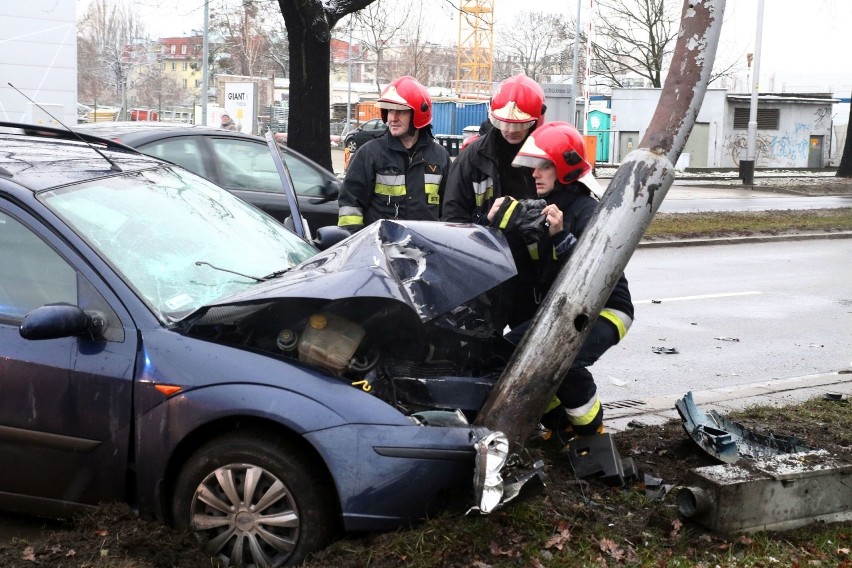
(704,297)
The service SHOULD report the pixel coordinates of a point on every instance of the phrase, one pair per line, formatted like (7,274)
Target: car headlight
(492,451)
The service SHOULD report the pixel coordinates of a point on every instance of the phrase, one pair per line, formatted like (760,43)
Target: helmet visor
(387,105)
(511,126)
(530,161)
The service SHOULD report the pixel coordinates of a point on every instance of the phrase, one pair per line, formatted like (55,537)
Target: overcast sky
(799,36)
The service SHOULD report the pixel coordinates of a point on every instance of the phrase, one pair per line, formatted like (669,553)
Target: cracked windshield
(179,240)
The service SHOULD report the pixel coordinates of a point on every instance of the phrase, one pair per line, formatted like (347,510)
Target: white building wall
(38,55)
(789,145)
(632,110)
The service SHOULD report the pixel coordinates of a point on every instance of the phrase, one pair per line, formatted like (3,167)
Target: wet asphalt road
(735,314)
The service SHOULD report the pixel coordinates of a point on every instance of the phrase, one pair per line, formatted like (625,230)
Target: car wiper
(276,274)
(255,278)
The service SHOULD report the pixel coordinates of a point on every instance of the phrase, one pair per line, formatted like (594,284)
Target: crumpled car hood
(430,267)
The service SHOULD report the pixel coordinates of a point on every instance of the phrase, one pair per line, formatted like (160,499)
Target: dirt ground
(114,536)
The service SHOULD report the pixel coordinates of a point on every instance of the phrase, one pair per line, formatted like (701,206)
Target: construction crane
(475,48)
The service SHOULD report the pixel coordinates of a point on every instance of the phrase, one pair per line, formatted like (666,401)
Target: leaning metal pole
(562,323)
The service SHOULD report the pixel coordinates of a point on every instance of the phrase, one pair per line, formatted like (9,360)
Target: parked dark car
(370,130)
(238,162)
(166,344)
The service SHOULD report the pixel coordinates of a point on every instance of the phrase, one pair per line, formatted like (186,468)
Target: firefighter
(400,175)
(484,172)
(542,234)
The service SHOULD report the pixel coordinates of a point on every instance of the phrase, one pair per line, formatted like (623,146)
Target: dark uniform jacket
(385,180)
(483,172)
(539,263)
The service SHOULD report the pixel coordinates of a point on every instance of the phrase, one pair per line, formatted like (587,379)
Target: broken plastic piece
(729,441)
(596,457)
(664,350)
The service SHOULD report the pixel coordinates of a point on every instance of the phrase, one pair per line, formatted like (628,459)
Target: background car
(370,130)
(238,162)
(166,344)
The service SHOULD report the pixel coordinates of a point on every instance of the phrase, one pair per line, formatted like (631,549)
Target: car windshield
(178,240)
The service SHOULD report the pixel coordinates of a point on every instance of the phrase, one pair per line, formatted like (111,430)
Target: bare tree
(275,32)
(243,36)
(535,43)
(845,167)
(380,22)
(156,89)
(113,39)
(309,24)
(427,62)
(634,37)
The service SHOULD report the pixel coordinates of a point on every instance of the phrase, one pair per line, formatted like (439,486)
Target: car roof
(138,133)
(37,157)
(134,133)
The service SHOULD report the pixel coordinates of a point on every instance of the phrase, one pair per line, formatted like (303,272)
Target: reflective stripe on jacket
(385,181)
(473,182)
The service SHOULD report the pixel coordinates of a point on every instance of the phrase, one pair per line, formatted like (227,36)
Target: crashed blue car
(166,344)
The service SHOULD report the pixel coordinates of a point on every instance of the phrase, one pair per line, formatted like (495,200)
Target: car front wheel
(352,145)
(253,500)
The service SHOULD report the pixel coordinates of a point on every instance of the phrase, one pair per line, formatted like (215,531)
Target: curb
(743,240)
(626,414)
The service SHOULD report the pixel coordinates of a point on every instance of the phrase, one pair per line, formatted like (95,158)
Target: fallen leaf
(745,540)
(29,554)
(495,550)
(560,538)
(677,524)
(611,549)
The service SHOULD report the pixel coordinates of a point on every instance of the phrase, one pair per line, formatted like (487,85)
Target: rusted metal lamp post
(626,209)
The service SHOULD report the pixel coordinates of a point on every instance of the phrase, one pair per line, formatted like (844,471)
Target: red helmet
(518,104)
(406,93)
(557,142)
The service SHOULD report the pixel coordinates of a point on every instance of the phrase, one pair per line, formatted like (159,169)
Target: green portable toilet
(599,125)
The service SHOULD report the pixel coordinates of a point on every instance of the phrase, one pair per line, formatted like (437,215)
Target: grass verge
(746,223)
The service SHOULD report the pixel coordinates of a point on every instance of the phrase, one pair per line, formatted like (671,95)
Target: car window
(375,124)
(246,165)
(306,180)
(32,273)
(183,151)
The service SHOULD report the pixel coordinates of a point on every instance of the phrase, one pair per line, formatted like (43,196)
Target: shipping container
(451,117)
(367,111)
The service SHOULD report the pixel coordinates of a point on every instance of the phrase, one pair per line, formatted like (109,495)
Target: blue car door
(65,408)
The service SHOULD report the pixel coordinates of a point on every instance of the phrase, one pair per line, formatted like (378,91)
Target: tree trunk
(309,36)
(309,24)
(845,167)
(565,317)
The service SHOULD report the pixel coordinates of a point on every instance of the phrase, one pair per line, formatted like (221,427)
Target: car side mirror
(53,321)
(329,236)
(288,223)
(331,190)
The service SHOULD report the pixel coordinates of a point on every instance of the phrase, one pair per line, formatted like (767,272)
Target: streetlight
(747,165)
(349,90)
(204,56)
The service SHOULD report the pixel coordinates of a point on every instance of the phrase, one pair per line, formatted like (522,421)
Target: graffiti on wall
(821,114)
(786,150)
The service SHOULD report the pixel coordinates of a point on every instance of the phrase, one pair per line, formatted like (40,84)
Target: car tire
(352,145)
(289,513)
